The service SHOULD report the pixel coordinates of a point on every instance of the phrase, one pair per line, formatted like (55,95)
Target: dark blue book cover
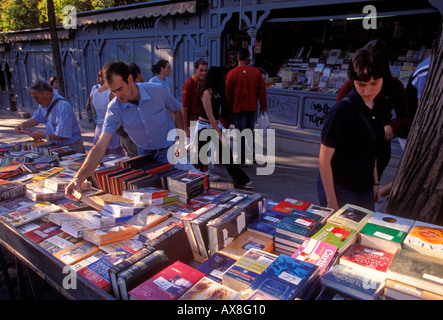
(267,222)
(285,278)
(299,222)
(215,265)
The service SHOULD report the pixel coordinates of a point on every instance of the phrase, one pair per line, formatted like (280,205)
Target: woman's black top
(216,104)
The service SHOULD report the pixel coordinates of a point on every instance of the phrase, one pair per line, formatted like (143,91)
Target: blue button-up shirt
(62,121)
(147,123)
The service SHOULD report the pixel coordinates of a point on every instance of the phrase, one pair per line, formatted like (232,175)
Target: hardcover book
(285,278)
(368,260)
(335,234)
(127,262)
(37,211)
(385,232)
(168,284)
(417,269)
(186,218)
(426,238)
(316,252)
(110,233)
(298,224)
(288,204)
(215,266)
(225,228)
(76,252)
(353,283)
(351,216)
(141,271)
(246,269)
(208,289)
(266,223)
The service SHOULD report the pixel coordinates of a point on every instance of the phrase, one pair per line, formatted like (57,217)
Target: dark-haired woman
(213,99)
(352,132)
(162,70)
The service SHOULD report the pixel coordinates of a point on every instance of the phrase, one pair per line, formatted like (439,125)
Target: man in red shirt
(244,87)
(191,103)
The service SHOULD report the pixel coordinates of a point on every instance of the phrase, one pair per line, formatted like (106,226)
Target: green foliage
(31,14)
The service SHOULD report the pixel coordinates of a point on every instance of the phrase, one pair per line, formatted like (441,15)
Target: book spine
(128,277)
(114,270)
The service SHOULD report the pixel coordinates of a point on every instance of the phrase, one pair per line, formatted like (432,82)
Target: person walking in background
(352,132)
(191,103)
(393,97)
(244,88)
(213,101)
(61,124)
(142,109)
(161,71)
(54,84)
(100,98)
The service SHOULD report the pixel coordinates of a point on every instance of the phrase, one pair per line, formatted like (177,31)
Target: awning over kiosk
(136,12)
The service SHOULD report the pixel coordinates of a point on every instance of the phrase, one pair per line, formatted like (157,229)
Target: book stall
(144,230)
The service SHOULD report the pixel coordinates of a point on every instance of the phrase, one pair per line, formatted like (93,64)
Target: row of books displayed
(329,72)
(167,241)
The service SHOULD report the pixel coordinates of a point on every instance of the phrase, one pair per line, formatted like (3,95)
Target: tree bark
(55,48)
(417,191)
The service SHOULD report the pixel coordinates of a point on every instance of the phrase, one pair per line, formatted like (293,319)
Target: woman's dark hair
(156,68)
(214,80)
(115,68)
(364,65)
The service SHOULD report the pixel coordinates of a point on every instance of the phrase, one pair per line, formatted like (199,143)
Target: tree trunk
(55,48)
(417,191)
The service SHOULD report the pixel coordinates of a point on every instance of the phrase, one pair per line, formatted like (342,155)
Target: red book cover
(161,168)
(44,232)
(288,204)
(168,284)
(99,176)
(367,257)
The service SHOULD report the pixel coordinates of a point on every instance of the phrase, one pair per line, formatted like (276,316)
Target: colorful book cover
(168,284)
(247,268)
(216,265)
(298,223)
(97,272)
(20,217)
(58,242)
(387,227)
(373,259)
(208,289)
(335,234)
(285,278)
(77,252)
(426,238)
(316,252)
(351,216)
(44,232)
(266,223)
(288,204)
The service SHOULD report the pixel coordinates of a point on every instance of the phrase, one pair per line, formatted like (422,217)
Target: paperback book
(44,232)
(285,278)
(316,252)
(76,252)
(385,232)
(298,224)
(246,241)
(168,284)
(108,234)
(351,216)
(335,234)
(426,238)
(208,289)
(288,204)
(266,223)
(26,215)
(215,266)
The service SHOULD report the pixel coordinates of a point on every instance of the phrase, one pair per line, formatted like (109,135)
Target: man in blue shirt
(144,111)
(61,124)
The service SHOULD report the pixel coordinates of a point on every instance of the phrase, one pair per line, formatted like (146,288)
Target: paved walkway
(294,175)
